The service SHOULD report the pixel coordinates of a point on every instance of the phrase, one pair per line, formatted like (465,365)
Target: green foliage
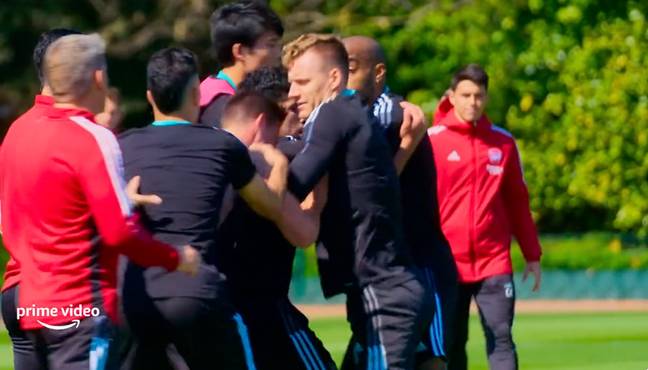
(591,251)
(568,78)
(576,341)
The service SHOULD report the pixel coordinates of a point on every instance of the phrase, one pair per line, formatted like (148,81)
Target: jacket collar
(43,100)
(64,113)
(453,123)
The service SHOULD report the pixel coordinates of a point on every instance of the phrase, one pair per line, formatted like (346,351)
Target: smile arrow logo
(60,327)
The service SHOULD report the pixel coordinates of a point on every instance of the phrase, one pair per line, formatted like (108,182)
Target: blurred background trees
(568,78)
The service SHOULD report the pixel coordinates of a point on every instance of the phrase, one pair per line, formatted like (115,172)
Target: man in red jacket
(483,202)
(67,216)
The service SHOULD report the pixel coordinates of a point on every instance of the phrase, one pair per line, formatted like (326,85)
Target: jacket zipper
(471,220)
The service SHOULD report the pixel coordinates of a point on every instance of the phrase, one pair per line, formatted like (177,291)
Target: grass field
(592,341)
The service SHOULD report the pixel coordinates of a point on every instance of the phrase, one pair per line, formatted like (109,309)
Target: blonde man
(361,246)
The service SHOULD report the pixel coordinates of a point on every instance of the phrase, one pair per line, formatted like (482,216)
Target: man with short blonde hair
(361,247)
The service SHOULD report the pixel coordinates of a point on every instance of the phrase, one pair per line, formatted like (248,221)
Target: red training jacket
(483,199)
(41,103)
(66,216)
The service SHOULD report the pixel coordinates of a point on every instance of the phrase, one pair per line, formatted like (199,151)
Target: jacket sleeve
(516,197)
(102,182)
(322,137)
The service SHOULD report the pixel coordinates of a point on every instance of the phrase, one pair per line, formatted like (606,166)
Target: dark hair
(168,74)
(241,22)
(471,72)
(271,82)
(44,41)
(249,104)
(335,52)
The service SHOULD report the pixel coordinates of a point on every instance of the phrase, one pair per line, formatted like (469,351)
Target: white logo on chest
(454,156)
(494,170)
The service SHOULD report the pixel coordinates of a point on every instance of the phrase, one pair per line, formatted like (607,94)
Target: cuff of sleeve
(173,260)
(533,257)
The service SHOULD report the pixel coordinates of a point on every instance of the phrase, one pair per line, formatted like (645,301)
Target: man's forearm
(278,179)
(300,227)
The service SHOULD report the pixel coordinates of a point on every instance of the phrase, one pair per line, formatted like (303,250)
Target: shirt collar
(63,113)
(170,122)
(223,76)
(43,100)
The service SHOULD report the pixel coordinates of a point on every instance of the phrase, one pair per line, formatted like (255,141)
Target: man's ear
(195,95)
(451,96)
(259,122)
(238,52)
(336,80)
(101,79)
(380,73)
(149,98)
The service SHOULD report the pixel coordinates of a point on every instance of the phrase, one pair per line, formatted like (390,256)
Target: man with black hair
(272,82)
(483,202)
(246,35)
(279,333)
(365,254)
(415,160)
(189,166)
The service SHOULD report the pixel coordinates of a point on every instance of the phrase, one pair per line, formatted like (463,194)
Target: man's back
(41,104)
(52,218)
(257,259)
(189,167)
(418,187)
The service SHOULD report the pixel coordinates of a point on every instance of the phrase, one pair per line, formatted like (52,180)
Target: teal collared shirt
(223,76)
(170,123)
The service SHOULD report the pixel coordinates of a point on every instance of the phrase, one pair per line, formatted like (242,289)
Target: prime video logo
(70,311)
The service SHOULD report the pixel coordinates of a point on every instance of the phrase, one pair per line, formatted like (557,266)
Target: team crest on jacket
(494,155)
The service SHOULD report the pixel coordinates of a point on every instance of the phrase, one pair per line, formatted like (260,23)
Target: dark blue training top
(257,259)
(190,167)
(361,228)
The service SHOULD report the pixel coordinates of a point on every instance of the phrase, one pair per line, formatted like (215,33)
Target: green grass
(610,341)
(598,341)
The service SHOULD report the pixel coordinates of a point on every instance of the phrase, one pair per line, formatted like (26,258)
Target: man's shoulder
(387,109)
(196,135)
(389,96)
(502,134)
(436,130)
(290,146)
(80,130)
(343,109)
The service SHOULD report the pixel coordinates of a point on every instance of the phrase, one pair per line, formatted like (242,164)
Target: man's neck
(79,105)
(235,73)
(379,91)
(46,91)
(174,116)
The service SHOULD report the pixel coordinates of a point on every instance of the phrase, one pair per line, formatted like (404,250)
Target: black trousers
(25,356)
(91,346)
(388,323)
(495,298)
(184,332)
(280,336)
